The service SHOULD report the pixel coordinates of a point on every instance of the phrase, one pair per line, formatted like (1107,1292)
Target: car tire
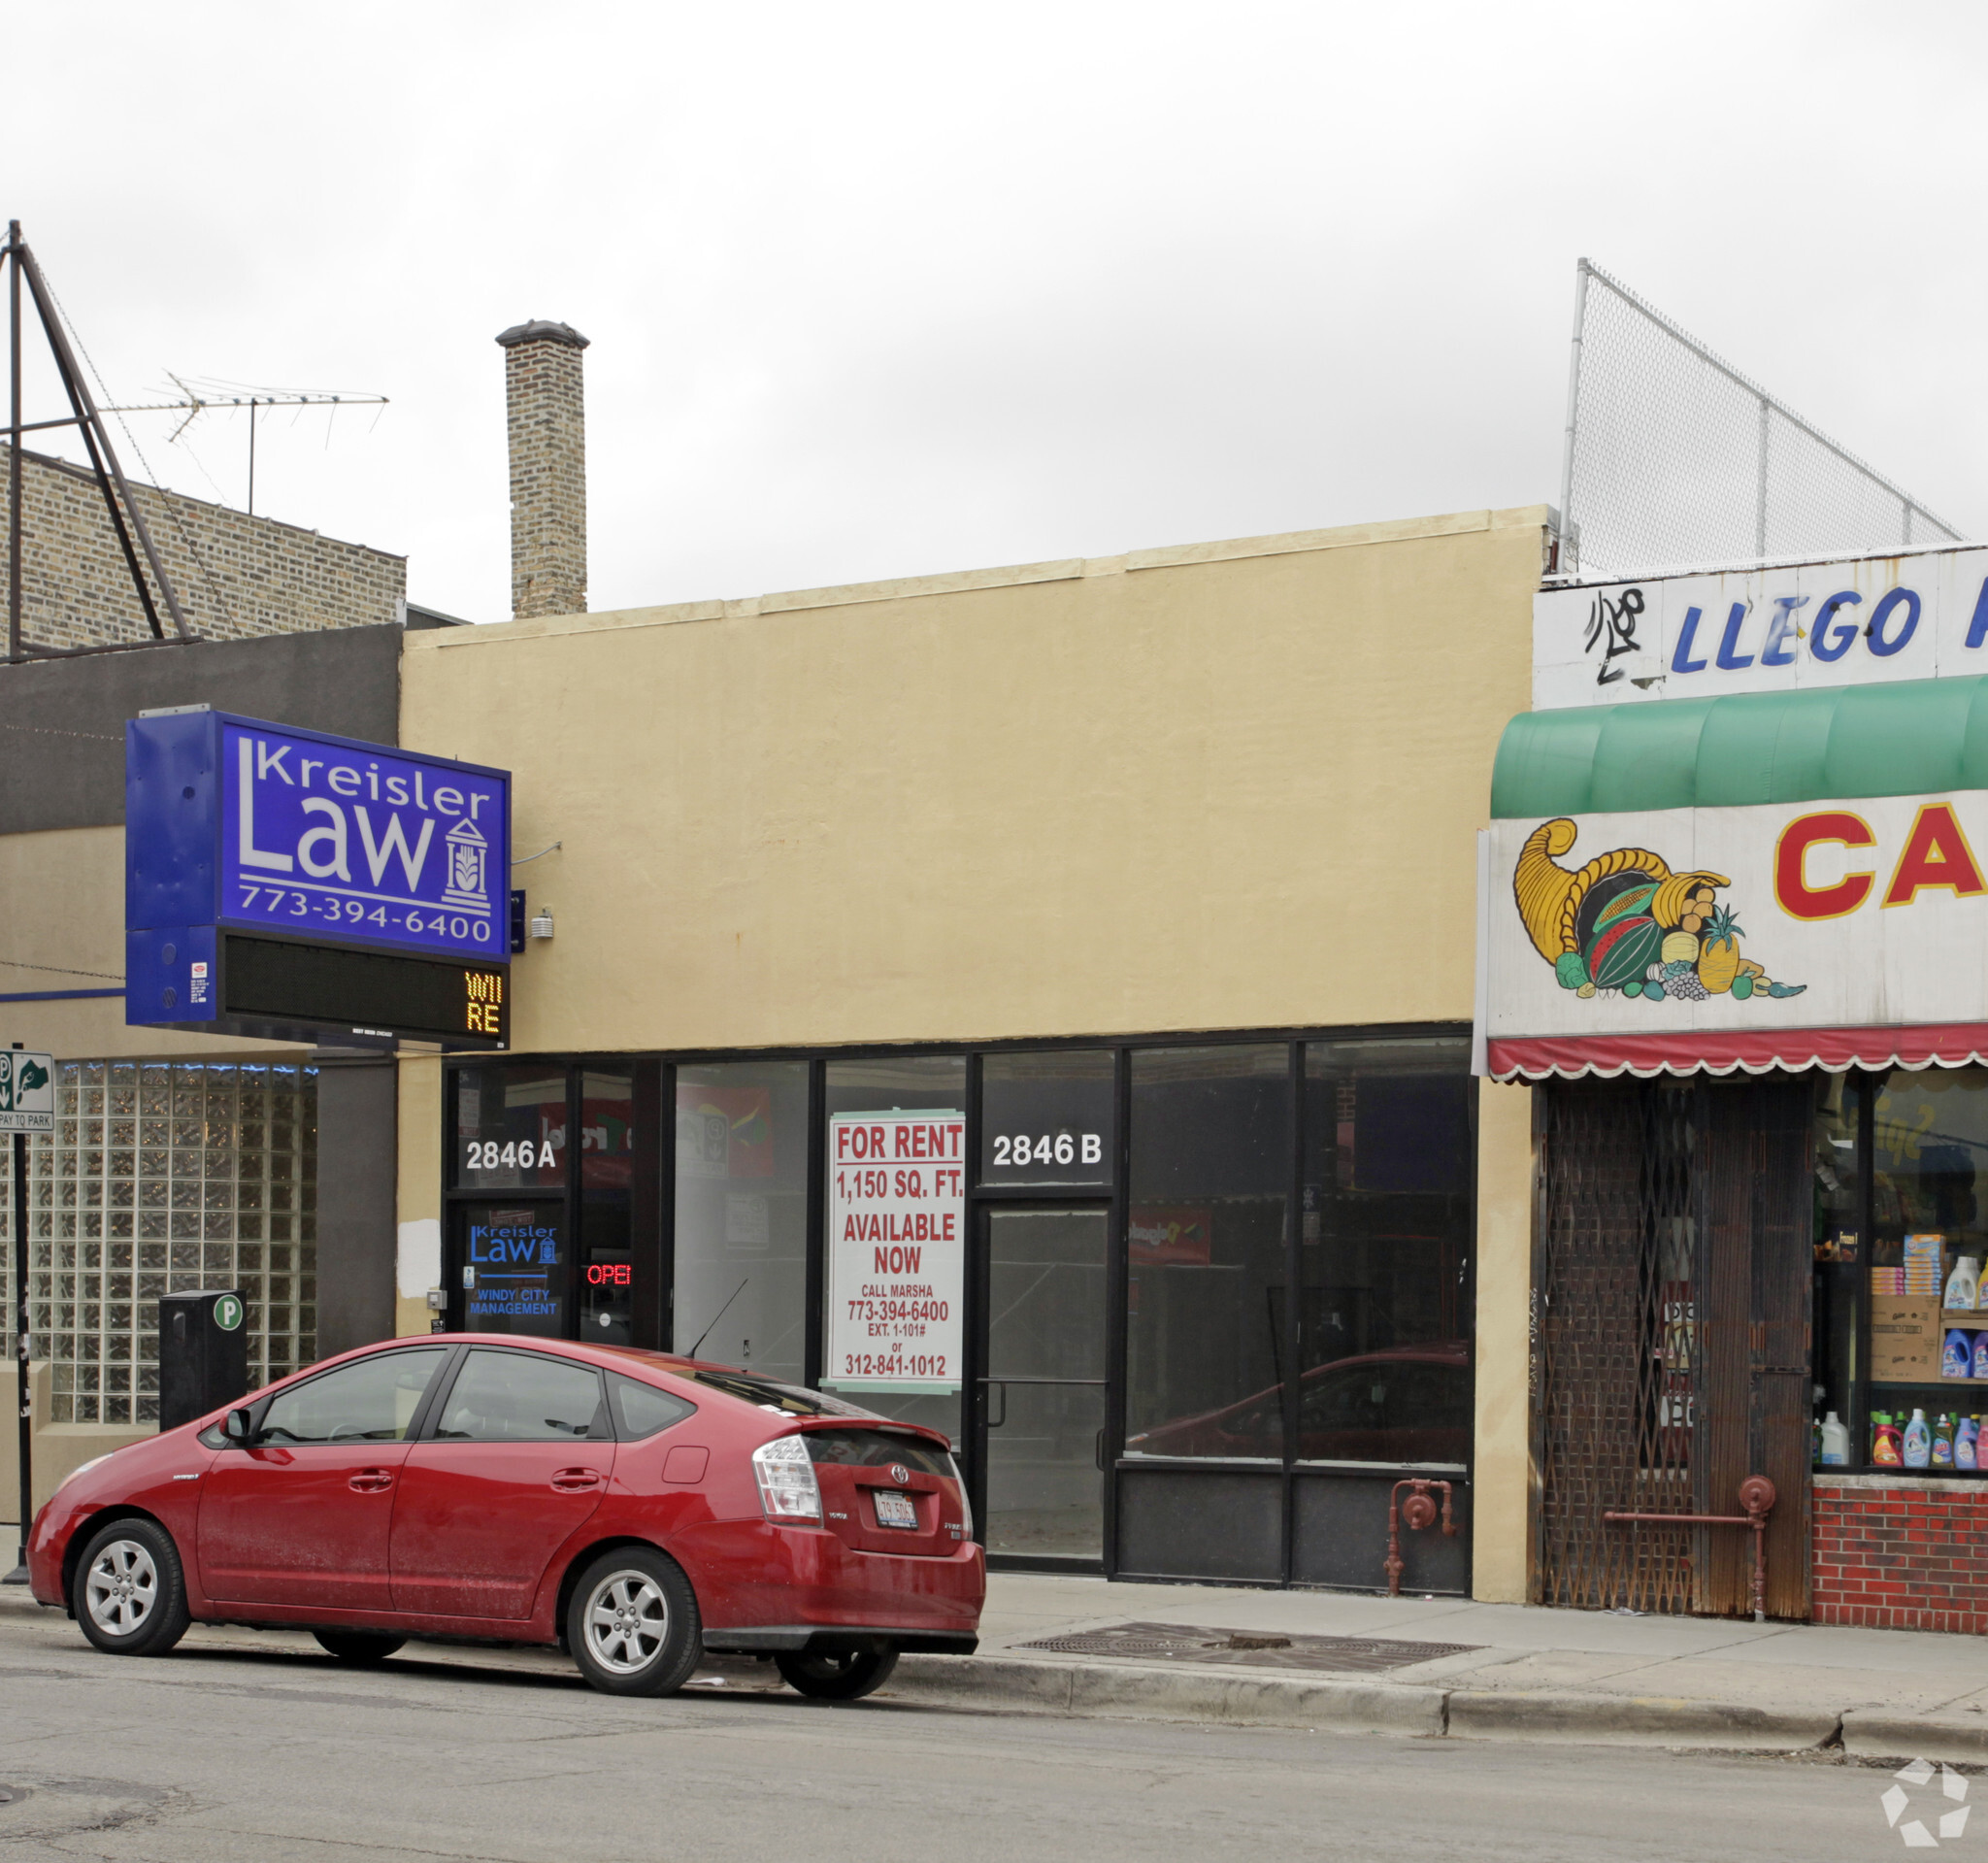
(363,1648)
(633,1624)
(848,1676)
(129,1595)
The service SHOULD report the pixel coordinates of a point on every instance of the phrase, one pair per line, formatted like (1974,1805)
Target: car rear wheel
(633,1625)
(844,1678)
(361,1646)
(130,1595)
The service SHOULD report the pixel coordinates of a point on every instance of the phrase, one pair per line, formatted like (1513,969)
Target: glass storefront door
(1041,1409)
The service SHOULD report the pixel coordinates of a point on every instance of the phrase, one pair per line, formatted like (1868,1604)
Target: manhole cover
(1261,1650)
(12,1794)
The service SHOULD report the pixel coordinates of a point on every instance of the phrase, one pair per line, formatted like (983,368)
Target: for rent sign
(897,1250)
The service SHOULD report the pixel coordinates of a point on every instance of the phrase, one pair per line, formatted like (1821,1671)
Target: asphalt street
(257,1747)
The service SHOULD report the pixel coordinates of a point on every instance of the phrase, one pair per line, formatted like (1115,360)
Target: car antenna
(715,1318)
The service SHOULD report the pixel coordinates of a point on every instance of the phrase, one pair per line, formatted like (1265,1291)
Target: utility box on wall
(203,1354)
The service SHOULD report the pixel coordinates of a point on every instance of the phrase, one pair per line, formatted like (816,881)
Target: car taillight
(966,1506)
(787,1487)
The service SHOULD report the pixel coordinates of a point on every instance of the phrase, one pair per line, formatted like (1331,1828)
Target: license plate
(894,1509)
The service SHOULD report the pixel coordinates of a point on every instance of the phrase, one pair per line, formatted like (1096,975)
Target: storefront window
(1842,1271)
(1211,1169)
(510,1127)
(607,1179)
(741,1215)
(899,1085)
(1385,1323)
(1929,1237)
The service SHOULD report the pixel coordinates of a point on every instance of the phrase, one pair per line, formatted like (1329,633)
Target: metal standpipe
(1417,1514)
(1757,1496)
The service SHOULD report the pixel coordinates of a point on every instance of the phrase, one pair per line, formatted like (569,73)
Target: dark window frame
(660,1242)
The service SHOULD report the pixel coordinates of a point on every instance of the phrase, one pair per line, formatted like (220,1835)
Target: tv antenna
(202,396)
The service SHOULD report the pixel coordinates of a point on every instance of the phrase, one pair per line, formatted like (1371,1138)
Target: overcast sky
(883,290)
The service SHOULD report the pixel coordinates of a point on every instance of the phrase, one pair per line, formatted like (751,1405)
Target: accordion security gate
(1671,1340)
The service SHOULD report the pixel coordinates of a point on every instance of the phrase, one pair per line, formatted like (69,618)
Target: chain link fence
(1677,460)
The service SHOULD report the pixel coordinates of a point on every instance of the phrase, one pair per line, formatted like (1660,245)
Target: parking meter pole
(19,1576)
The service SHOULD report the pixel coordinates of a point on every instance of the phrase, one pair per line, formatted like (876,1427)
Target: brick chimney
(546,411)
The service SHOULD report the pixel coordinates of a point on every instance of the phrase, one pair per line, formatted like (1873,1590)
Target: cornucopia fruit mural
(1626,922)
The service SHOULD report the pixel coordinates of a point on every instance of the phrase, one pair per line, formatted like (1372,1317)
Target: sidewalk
(1523,1674)
(1520,1674)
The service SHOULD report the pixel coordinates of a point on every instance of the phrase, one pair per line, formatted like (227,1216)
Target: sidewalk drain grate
(1257,1649)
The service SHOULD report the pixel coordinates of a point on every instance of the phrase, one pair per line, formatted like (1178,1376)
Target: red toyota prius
(633,1509)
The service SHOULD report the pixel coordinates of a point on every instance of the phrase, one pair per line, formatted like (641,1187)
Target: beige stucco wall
(63,928)
(418,1209)
(1500,1486)
(1228,786)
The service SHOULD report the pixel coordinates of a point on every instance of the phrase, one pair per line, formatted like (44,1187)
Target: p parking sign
(228,1313)
(27,1091)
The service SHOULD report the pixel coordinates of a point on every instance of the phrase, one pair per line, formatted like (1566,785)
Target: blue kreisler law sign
(273,843)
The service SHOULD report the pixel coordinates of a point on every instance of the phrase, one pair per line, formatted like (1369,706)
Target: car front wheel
(845,1677)
(130,1595)
(633,1625)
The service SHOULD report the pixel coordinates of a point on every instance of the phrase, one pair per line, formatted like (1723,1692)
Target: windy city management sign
(1852,622)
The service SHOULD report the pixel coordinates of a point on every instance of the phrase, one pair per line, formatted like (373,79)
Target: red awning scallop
(1744,1051)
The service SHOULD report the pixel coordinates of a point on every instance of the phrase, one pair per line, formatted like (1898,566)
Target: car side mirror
(239,1427)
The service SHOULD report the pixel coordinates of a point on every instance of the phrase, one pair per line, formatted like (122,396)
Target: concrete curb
(1662,1720)
(1882,1733)
(1132,1691)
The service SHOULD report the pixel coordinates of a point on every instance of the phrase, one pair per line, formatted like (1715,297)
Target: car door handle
(371,1481)
(576,1480)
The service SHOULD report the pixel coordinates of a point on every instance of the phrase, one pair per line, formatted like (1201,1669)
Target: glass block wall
(165,1176)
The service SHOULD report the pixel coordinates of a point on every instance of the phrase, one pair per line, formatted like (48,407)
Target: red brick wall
(1902,1558)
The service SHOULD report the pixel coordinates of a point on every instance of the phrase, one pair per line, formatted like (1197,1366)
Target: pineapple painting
(1625,923)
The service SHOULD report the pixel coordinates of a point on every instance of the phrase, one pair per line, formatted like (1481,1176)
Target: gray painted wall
(62,721)
(357,1167)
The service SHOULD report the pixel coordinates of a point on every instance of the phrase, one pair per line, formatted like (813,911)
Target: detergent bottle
(1836,1442)
(1957,1354)
(1919,1442)
(1963,1285)
(1942,1442)
(1965,1439)
(1885,1451)
(1981,1354)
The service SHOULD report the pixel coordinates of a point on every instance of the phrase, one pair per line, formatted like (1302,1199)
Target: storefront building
(1733,931)
(1035,1002)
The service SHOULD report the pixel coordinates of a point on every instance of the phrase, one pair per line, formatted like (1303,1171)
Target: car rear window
(876,1448)
(640,1409)
(789,1400)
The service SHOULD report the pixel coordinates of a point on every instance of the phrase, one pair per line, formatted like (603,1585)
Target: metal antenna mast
(198,400)
(85,417)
